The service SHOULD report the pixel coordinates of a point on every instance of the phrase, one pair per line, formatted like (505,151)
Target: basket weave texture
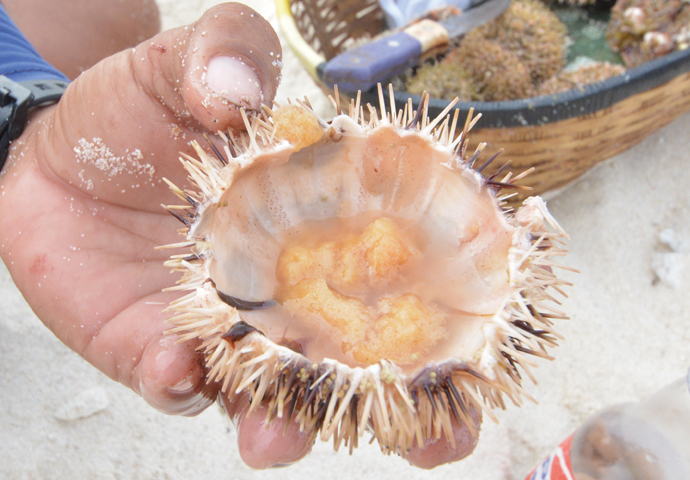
(328,25)
(560,151)
(563,151)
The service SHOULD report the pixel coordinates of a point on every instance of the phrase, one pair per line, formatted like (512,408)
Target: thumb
(226,70)
(228,59)
(156,98)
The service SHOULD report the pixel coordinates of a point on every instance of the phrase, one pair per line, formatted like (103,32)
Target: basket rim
(533,111)
(309,57)
(583,101)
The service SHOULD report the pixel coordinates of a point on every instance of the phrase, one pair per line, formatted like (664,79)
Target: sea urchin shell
(362,275)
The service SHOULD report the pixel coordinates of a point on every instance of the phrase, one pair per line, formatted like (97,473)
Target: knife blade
(376,62)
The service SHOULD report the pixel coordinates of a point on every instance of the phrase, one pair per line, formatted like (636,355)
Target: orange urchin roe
(347,314)
(344,282)
(297,125)
(408,330)
(353,264)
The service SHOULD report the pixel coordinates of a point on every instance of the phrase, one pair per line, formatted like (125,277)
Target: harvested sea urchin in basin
(504,59)
(363,275)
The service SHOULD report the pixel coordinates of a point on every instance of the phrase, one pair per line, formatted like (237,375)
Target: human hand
(80,195)
(80,211)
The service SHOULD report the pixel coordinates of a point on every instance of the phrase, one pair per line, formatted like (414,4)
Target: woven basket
(561,135)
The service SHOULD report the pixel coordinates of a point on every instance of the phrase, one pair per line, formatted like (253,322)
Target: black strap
(16,99)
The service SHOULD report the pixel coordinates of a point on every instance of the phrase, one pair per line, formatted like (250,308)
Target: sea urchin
(362,274)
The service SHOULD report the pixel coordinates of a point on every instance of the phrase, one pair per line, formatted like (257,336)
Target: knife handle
(363,67)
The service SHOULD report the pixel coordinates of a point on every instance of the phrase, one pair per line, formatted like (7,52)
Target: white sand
(629,335)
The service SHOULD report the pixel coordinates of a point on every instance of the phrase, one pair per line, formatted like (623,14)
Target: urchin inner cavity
(352,257)
(361,275)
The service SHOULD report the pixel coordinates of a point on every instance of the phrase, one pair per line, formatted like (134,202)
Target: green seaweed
(587,33)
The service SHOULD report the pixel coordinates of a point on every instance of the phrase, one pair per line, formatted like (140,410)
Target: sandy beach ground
(629,335)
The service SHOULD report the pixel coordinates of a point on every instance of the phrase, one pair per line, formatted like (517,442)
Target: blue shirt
(19,60)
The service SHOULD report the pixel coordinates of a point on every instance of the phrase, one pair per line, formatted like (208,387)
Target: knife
(363,67)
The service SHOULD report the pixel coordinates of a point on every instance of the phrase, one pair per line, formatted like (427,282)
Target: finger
(172,378)
(206,72)
(265,444)
(440,451)
(226,71)
(134,349)
(120,127)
